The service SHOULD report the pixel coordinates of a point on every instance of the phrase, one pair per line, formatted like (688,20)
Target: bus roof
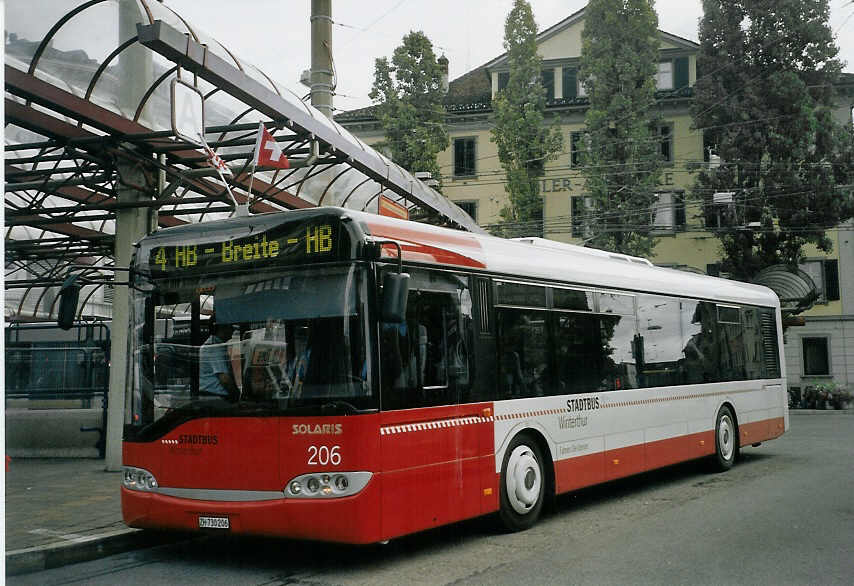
(537,258)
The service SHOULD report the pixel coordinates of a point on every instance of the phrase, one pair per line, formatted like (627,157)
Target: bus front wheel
(726,440)
(522,484)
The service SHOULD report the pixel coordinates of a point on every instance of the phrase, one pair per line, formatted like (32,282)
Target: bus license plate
(213,523)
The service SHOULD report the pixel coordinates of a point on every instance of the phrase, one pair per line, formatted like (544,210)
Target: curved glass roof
(88,114)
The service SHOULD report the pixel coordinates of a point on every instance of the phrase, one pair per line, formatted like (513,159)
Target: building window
(680,73)
(816,356)
(503,79)
(825,275)
(672,74)
(666,133)
(548,78)
(668,212)
(664,79)
(576,144)
(469,207)
(464,157)
(580,207)
(569,75)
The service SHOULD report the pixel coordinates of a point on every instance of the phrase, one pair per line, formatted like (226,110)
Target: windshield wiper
(345,406)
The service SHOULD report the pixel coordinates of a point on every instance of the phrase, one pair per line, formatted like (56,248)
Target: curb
(54,555)
(847,411)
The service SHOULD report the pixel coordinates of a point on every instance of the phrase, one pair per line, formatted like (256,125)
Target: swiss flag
(268,153)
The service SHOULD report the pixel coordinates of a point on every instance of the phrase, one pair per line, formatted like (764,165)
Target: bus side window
(579,353)
(700,352)
(619,368)
(523,352)
(426,359)
(662,332)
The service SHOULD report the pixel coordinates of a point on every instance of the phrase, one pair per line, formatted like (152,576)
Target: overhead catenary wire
(575,224)
(598,218)
(654,138)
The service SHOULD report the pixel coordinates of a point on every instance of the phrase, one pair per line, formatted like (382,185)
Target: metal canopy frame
(74,141)
(194,57)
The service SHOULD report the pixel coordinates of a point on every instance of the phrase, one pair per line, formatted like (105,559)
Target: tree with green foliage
(764,105)
(523,139)
(409,104)
(621,161)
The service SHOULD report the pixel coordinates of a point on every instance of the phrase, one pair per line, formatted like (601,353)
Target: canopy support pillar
(131,224)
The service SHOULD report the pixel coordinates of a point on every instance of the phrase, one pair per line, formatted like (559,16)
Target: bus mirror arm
(395,288)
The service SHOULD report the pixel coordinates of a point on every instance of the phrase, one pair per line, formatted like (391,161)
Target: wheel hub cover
(523,480)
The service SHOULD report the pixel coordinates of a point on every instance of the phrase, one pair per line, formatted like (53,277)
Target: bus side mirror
(395,293)
(69,295)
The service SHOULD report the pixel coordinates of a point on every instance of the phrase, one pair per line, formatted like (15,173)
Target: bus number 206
(324,455)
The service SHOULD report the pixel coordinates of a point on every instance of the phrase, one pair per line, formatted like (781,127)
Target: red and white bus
(512,371)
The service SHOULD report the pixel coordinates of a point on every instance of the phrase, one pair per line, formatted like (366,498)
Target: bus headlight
(327,485)
(341,483)
(138,479)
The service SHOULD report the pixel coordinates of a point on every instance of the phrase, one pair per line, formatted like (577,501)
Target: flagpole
(230,194)
(255,158)
(251,178)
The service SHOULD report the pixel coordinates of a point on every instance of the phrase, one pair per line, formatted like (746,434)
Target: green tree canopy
(408,96)
(764,102)
(523,139)
(622,160)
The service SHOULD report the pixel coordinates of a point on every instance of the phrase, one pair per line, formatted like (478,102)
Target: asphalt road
(783,515)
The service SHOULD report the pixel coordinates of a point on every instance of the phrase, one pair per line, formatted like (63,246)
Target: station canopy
(88,114)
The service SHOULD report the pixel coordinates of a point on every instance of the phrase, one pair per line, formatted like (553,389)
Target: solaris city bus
(512,371)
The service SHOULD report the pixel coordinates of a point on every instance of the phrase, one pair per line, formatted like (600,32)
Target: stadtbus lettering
(585,404)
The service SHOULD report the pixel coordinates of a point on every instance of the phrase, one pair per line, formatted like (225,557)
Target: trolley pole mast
(321,56)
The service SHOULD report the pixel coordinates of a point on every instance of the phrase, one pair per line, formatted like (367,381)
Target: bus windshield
(269,342)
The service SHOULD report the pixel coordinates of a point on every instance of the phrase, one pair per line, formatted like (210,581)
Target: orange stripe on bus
(591,469)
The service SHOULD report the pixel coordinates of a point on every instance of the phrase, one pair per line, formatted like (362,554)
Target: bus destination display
(286,244)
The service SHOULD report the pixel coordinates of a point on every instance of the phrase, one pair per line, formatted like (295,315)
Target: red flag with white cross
(268,153)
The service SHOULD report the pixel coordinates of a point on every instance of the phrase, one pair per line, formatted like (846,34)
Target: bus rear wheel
(522,487)
(726,440)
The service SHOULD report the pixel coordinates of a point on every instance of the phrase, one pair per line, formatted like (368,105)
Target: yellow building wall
(568,42)
(561,182)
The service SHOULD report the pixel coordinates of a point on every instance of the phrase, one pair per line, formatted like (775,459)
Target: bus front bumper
(353,519)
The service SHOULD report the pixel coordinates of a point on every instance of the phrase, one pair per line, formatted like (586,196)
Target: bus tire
(523,484)
(726,440)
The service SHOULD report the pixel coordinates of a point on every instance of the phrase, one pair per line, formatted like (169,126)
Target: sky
(274,35)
